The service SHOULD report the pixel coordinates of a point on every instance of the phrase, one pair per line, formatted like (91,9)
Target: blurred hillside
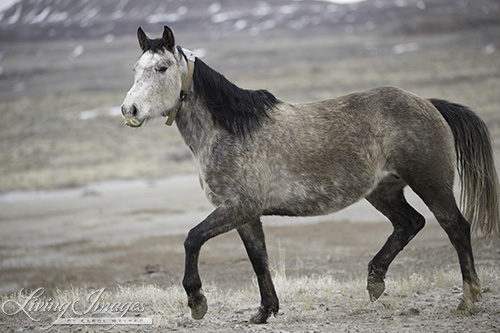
(56,19)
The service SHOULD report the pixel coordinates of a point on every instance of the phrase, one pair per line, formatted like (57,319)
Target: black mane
(238,111)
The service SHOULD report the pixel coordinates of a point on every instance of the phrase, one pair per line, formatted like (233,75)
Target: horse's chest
(213,197)
(212,180)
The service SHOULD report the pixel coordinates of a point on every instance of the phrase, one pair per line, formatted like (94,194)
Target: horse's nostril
(131,111)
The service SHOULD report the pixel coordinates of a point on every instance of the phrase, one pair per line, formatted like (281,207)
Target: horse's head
(159,74)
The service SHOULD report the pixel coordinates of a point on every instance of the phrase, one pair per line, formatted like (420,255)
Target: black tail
(480,195)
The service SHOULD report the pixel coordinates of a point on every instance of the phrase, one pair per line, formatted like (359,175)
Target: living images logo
(89,311)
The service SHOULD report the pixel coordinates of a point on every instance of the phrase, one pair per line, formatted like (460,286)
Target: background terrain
(87,203)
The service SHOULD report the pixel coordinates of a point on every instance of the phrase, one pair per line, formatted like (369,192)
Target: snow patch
(58,17)
(405,47)
(113,111)
(164,17)
(214,8)
(489,49)
(7,4)
(17,15)
(344,2)
(78,51)
(240,25)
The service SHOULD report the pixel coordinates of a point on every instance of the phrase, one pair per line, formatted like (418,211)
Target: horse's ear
(143,39)
(168,39)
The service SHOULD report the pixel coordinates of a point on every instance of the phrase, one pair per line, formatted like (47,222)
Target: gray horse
(257,155)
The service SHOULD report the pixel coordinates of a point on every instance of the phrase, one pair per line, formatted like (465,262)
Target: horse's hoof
(262,314)
(471,294)
(465,307)
(198,305)
(259,318)
(376,287)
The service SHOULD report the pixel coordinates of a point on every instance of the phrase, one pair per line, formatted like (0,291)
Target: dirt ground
(131,234)
(109,232)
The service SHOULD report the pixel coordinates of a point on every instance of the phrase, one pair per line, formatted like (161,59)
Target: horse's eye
(162,69)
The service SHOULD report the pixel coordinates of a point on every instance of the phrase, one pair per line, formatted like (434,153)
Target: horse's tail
(480,195)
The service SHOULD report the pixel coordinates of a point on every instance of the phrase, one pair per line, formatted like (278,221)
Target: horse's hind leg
(389,199)
(441,202)
(252,236)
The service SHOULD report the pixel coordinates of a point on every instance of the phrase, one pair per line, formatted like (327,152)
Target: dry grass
(314,303)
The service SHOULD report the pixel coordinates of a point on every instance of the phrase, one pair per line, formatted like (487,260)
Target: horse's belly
(318,200)
(304,209)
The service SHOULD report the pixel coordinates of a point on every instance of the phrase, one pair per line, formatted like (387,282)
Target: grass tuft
(317,298)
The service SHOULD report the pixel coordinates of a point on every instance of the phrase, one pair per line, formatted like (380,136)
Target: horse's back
(410,127)
(386,117)
(398,121)
(411,134)
(338,150)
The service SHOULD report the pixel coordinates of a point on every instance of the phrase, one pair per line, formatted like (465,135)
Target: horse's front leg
(230,215)
(252,236)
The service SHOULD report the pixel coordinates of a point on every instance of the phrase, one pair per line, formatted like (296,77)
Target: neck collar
(190,58)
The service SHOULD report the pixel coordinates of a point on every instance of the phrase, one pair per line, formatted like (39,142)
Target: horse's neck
(195,125)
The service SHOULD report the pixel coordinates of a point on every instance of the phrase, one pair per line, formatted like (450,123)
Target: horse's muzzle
(130,116)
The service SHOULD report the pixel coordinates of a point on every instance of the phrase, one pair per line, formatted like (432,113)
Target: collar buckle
(190,55)
(184,94)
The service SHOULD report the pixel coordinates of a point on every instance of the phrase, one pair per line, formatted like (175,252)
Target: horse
(257,155)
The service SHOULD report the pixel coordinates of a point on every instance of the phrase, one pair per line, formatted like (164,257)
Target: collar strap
(190,58)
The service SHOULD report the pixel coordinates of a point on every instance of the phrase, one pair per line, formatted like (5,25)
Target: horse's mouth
(133,122)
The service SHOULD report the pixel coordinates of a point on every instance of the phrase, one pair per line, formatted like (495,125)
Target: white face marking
(156,89)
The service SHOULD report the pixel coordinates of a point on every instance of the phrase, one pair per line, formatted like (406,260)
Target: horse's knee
(192,241)
(418,223)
